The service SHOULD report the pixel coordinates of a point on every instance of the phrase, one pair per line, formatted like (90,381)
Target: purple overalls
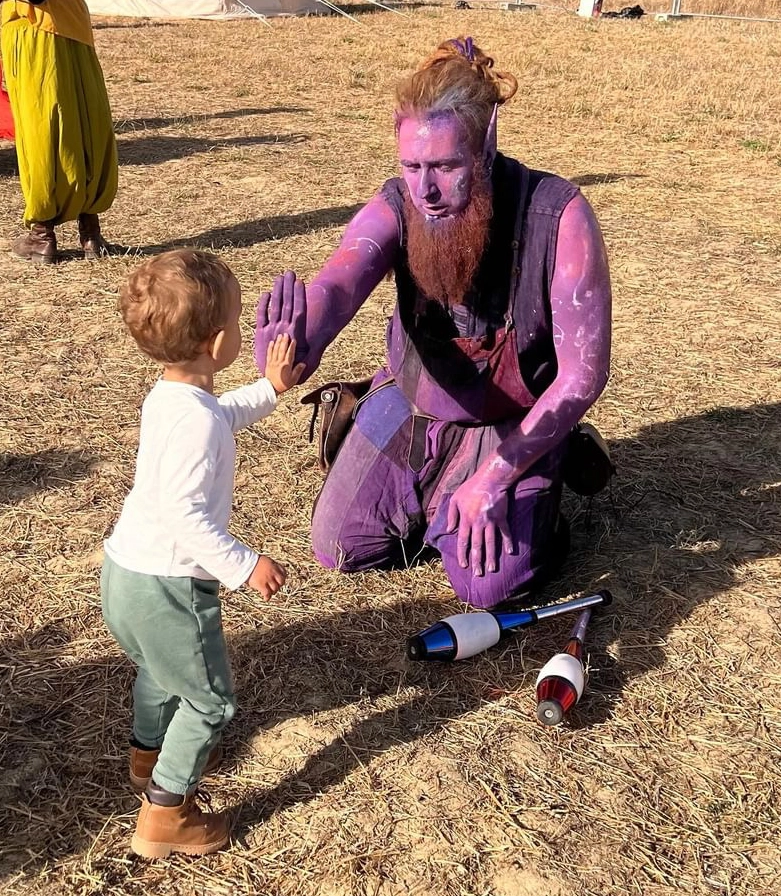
(459,380)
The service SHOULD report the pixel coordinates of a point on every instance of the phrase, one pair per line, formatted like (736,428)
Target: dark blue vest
(517,267)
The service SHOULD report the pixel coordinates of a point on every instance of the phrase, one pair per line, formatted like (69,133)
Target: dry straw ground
(755,8)
(350,770)
(748,8)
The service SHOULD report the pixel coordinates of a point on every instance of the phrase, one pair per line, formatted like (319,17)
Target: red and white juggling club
(466,634)
(562,679)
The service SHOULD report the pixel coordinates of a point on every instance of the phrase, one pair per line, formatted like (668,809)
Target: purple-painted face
(437,165)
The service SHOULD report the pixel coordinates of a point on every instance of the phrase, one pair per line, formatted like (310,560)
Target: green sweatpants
(64,133)
(171,628)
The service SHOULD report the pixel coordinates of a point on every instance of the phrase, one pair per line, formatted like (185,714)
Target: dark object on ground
(586,467)
(628,12)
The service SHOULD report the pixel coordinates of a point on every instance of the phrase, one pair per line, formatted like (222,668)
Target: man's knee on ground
(480,592)
(325,544)
(333,554)
(327,556)
(516,576)
(352,551)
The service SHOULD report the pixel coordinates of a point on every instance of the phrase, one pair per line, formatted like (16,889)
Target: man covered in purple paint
(499,343)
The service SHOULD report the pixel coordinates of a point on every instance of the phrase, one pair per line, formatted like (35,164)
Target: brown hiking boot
(38,245)
(143,761)
(91,239)
(171,822)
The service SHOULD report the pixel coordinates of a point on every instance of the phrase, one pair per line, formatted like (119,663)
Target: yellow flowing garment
(68,18)
(64,133)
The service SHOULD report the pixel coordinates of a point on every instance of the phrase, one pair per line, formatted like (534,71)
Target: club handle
(601,598)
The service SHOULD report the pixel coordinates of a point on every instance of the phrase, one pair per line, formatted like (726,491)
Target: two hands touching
(282,312)
(281,369)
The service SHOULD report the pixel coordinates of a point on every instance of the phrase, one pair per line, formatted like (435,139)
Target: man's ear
(489,144)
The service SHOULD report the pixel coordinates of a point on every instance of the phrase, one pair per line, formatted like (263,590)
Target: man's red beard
(444,253)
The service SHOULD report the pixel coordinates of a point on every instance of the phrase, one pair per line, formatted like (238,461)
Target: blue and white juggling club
(467,634)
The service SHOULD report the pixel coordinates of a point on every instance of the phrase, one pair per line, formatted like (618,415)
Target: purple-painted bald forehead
(424,129)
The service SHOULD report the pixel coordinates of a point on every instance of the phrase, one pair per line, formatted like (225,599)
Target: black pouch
(586,467)
(336,402)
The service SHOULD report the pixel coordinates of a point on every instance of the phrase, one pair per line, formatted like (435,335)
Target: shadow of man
(125,125)
(698,503)
(164,148)
(258,230)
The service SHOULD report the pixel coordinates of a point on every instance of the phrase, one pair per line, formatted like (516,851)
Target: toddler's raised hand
(281,371)
(267,577)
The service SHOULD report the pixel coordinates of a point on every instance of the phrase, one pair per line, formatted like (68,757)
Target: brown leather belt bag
(337,403)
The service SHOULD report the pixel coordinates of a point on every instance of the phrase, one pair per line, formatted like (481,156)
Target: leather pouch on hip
(336,404)
(586,467)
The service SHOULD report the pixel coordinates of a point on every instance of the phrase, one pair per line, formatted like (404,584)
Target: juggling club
(467,634)
(562,679)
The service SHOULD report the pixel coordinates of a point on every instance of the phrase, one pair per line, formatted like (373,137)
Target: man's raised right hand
(281,312)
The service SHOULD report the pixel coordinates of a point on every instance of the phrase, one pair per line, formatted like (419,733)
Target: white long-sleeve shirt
(174,521)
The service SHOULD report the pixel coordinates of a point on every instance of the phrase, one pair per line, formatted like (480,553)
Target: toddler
(171,547)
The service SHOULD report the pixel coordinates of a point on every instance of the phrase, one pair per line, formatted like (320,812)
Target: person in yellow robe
(64,133)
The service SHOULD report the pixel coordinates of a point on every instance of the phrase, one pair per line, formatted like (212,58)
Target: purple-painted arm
(314,315)
(581,307)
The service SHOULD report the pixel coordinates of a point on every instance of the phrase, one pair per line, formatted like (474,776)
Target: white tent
(202,9)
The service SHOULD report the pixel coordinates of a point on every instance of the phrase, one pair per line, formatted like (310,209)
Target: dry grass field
(351,770)
(755,8)
(748,8)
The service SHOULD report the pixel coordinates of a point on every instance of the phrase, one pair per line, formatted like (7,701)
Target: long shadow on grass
(259,230)
(24,474)
(591,180)
(155,150)
(129,125)
(698,498)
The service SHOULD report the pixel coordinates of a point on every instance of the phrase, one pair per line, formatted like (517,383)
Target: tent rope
(390,9)
(335,8)
(253,12)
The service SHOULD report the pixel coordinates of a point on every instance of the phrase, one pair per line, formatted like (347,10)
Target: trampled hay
(352,771)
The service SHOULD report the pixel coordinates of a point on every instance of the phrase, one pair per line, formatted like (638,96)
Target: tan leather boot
(91,239)
(170,822)
(143,761)
(38,245)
